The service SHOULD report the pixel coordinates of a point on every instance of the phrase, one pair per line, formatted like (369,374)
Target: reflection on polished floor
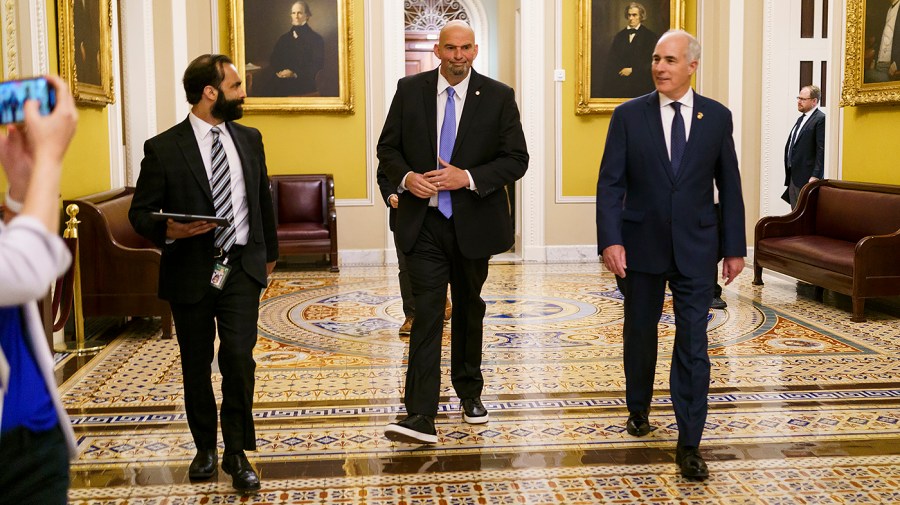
(803,408)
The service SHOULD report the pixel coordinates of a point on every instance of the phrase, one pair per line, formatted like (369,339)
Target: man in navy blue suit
(657,223)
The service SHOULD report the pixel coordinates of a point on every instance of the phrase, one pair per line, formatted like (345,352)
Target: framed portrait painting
(294,56)
(616,39)
(872,65)
(85,49)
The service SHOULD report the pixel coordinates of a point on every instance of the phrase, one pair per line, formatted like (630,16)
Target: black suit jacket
(387,189)
(808,157)
(173,179)
(656,215)
(490,144)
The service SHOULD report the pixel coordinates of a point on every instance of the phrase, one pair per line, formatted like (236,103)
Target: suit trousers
(434,261)
(406,293)
(37,467)
(689,377)
(234,311)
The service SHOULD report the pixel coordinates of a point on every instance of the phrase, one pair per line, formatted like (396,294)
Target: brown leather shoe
(406,327)
(448,310)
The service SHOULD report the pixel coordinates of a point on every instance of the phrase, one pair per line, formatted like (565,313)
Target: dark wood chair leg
(334,262)
(859,309)
(167,326)
(757,275)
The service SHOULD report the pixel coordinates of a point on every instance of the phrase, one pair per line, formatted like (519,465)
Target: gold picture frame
(865,21)
(321,81)
(595,92)
(85,49)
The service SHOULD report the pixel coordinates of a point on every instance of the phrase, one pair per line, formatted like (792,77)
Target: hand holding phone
(14,94)
(32,155)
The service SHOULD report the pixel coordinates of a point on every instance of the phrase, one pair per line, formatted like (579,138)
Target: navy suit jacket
(173,179)
(655,215)
(808,157)
(490,144)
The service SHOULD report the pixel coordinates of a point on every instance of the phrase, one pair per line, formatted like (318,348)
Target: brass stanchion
(80,345)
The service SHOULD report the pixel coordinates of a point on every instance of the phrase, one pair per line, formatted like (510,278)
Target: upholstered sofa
(843,236)
(119,268)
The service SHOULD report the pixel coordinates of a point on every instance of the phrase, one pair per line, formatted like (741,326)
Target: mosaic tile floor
(804,405)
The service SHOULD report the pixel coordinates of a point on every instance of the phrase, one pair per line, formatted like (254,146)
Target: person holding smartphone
(35,430)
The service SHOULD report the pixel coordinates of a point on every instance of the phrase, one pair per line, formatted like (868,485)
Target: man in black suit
(657,223)
(452,216)
(628,73)
(212,277)
(804,151)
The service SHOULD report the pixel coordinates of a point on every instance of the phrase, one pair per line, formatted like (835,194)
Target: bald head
(457,50)
(454,26)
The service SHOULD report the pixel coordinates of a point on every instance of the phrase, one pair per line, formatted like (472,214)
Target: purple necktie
(448,138)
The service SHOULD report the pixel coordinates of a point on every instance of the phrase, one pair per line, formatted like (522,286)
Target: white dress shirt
(668,114)
(204,138)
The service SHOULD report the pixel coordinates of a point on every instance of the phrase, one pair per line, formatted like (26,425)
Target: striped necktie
(448,138)
(221,191)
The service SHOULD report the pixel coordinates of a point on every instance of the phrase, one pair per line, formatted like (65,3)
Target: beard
(227,110)
(459,70)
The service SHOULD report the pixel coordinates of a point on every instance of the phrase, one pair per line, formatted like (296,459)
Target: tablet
(186,218)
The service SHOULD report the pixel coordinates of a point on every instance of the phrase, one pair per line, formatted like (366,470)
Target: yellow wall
(583,137)
(868,132)
(319,143)
(86,165)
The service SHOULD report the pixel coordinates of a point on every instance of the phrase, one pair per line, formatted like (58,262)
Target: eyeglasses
(804,99)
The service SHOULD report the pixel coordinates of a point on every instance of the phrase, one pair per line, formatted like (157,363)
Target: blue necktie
(678,138)
(445,150)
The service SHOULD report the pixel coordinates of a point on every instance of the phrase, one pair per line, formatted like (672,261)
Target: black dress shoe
(718,303)
(413,429)
(243,476)
(203,465)
(473,411)
(638,423)
(691,463)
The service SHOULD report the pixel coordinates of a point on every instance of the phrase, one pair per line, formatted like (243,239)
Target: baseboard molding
(551,254)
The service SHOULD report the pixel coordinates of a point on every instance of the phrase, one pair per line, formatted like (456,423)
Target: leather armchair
(305,215)
(119,268)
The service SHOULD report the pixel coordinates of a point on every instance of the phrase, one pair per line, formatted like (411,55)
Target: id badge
(220,273)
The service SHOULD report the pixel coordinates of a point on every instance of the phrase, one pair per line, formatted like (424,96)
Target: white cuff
(12,204)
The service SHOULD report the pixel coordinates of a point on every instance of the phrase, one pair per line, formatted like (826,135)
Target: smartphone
(13,95)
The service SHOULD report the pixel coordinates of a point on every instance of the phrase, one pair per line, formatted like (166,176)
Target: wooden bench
(843,236)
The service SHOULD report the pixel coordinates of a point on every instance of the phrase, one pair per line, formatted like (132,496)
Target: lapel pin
(699,115)
(478,92)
